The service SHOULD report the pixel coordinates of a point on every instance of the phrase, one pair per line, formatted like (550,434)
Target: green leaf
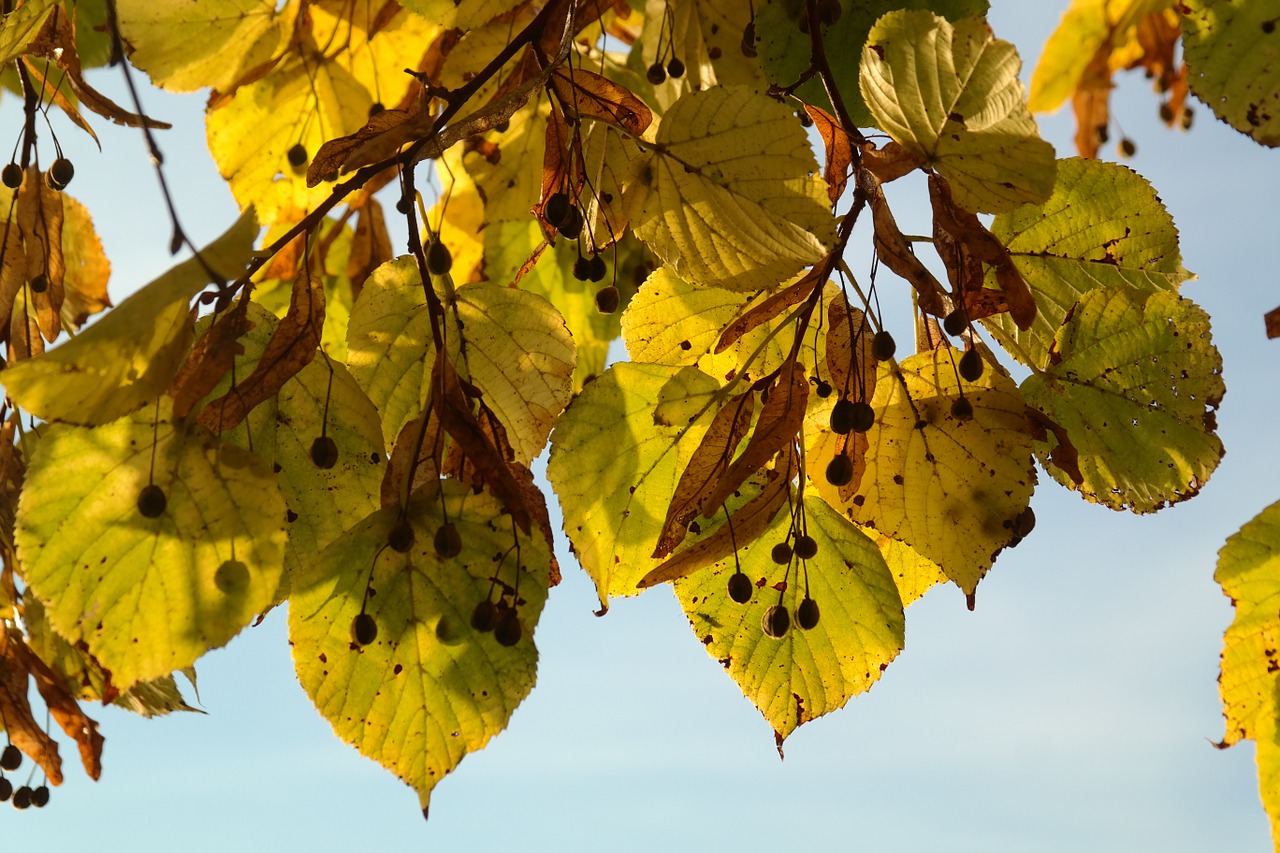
(615,467)
(785,50)
(805,674)
(510,343)
(148,593)
(129,357)
(1134,379)
(1249,572)
(731,195)
(185,46)
(949,488)
(22,26)
(1104,226)
(1232,51)
(430,688)
(951,96)
(510,180)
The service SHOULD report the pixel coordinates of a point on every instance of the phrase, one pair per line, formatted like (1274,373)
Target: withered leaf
(762,313)
(589,95)
(839,150)
(210,359)
(894,250)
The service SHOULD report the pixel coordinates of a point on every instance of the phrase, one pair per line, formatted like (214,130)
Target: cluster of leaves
(351,432)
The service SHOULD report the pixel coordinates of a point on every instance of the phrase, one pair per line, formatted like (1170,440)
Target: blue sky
(1072,710)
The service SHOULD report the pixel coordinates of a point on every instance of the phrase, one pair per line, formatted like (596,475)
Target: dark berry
(840,470)
(776,621)
(807,614)
(324,452)
(151,503)
(823,389)
(508,630)
(970,366)
(571,225)
(39,284)
(748,45)
(403,206)
(22,798)
(448,542)
(961,409)
(1166,113)
(582,269)
(6,789)
(40,797)
(956,322)
(400,536)
(1188,118)
(1024,523)
(740,587)
(439,259)
(231,576)
(781,553)
(11,758)
(597,269)
(607,299)
(656,74)
(1128,147)
(364,630)
(375,108)
(883,345)
(484,617)
(556,208)
(842,416)
(297,155)
(806,547)
(60,173)
(864,417)
(675,69)
(11,176)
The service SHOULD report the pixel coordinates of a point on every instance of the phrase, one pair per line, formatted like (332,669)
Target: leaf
(87,269)
(22,26)
(429,689)
(1232,52)
(184,47)
(1249,572)
(511,344)
(130,356)
(706,36)
(806,674)
(949,488)
(1134,379)
(1103,227)
(951,96)
(785,50)
(615,469)
(728,196)
(509,174)
(593,96)
(149,593)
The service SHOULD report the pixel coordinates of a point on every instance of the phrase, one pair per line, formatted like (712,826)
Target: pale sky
(1073,710)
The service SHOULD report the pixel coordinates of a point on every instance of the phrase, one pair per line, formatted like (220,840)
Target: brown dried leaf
(20,726)
(751,520)
(381,137)
(40,229)
(706,468)
(1091,103)
(839,150)
(429,453)
(291,348)
(586,94)
(1272,319)
(371,246)
(13,272)
(66,712)
(211,358)
(87,268)
(780,420)
(1064,454)
(890,162)
(851,363)
(757,315)
(895,252)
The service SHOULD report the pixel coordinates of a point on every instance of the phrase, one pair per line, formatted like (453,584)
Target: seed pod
(6,789)
(607,299)
(151,503)
(22,798)
(823,389)
(439,259)
(740,587)
(484,617)
(883,346)
(840,470)
(961,409)
(364,630)
(400,536)
(970,366)
(582,269)
(297,155)
(842,416)
(1128,147)
(956,322)
(571,225)
(324,452)
(39,284)
(11,758)
(675,69)
(829,11)
(40,797)
(556,208)
(806,547)
(656,74)
(807,614)
(11,176)
(375,108)
(1024,523)
(781,553)
(448,543)
(508,630)
(596,268)
(864,417)
(748,45)
(59,174)
(775,622)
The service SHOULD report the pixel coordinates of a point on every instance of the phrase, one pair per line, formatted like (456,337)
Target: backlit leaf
(1134,379)
(1232,51)
(149,593)
(430,688)
(22,26)
(951,96)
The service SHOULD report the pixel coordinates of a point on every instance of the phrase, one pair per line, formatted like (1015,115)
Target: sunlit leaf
(951,96)
(1232,51)
(1134,378)
(806,673)
(149,591)
(22,26)
(429,688)
(730,196)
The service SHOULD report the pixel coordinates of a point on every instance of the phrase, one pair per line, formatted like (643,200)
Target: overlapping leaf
(729,196)
(430,688)
(805,674)
(947,487)
(22,26)
(1134,379)
(951,96)
(1104,226)
(149,592)
(1232,51)
(128,358)
(1249,572)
